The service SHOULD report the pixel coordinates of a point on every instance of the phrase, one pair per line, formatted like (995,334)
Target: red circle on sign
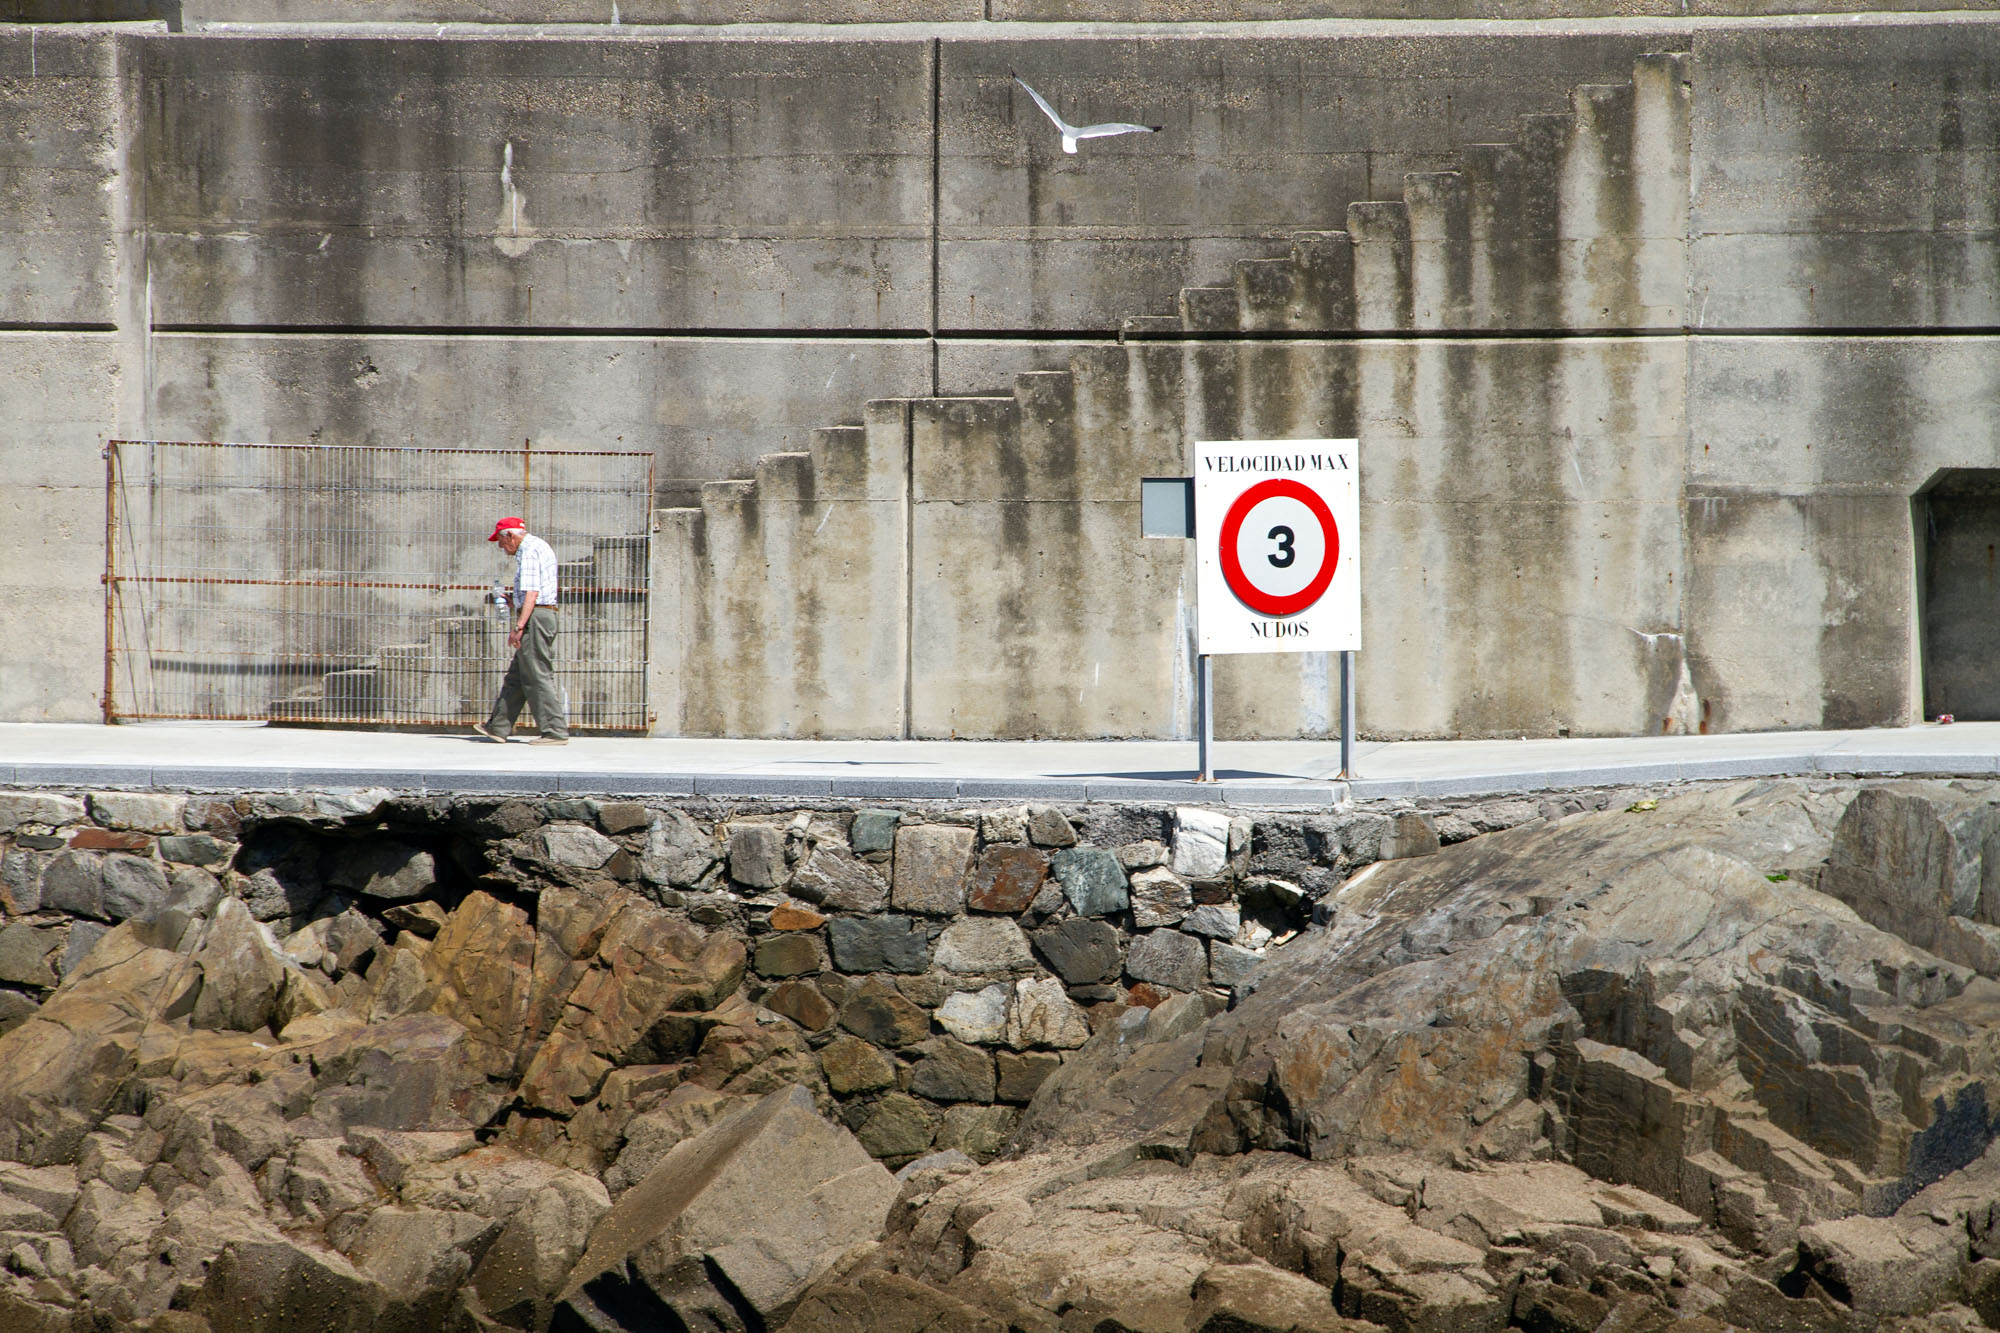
(1232,569)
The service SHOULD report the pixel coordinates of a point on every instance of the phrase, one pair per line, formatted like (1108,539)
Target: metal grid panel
(354,586)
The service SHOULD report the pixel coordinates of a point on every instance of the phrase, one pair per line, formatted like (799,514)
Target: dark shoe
(550,740)
(493,736)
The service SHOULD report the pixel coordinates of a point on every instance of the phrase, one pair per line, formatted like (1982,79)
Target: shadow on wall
(1957,528)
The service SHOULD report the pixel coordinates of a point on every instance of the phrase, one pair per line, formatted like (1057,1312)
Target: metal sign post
(1277,567)
(1204,722)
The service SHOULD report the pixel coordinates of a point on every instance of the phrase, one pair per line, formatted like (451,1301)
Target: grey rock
(757,856)
(950,1160)
(28,954)
(878,944)
(1092,880)
(15,1009)
(397,872)
(873,831)
(1081,951)
(834,877)
(978,1016)
(281,875)
(135,887)
(1494,816)
(1009,825)
(1409,834)
(931,865)
(1142,855)
(21,882)
(1230,966)
(73,882)
(575,846)
(1049,827)
(141,812)
(1167,958)
(1201,842)
(678,851)
(1043,1015)
(983,944)
(1159,898)
(192,890)
(947,1070)
(196,849)
(83,937)
(1452,828)
(1218,921)
(18,808)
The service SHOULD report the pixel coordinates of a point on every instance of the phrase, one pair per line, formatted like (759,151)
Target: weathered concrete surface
(59,187)
(707,407)
(58,395)
(1803,456)
(682,184)
(393,235)
(1845,177)
(1031,238)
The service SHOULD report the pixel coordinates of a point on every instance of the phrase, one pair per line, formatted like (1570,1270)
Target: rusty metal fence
(354,586)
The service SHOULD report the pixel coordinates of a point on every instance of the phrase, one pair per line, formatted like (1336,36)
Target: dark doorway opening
(1957,518)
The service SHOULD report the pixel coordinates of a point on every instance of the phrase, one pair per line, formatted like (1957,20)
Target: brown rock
(852,1066)
(1146,995)
(93,839)
(621,816)
(1021,1072)
(788,917)
(481,964)
(879,1015)
(947,1070)
(746,1213)
(888,1303)
(801,1002)
(1007,879)
(980,1132)
(931,865)
(789,956)
(898,1126)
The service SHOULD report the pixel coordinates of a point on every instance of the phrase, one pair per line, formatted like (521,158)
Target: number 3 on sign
(1275,524)
(1285,570)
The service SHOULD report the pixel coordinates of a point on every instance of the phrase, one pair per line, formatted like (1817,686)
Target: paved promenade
(1296,773)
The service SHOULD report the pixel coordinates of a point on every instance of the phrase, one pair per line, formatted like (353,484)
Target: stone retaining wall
(622,968)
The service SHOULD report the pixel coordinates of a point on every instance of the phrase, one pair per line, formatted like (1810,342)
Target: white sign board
(1277,528)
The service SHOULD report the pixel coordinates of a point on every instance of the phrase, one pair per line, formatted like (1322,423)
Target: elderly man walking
(531,676)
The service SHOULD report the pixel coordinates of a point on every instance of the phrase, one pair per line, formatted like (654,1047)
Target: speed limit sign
(1276,527)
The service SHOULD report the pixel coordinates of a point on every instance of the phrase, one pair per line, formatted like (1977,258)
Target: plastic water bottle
(499,595)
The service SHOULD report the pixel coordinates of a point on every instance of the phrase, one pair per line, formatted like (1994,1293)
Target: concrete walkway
(1293,773)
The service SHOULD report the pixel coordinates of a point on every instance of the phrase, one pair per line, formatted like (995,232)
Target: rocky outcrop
(1611,1072)
(603,1065)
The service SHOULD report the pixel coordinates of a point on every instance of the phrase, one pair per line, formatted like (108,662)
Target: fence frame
(115,581)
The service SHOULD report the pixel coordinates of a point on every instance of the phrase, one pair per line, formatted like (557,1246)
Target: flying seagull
(1072,133)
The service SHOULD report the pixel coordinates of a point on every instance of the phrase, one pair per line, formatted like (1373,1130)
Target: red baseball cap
(506,524)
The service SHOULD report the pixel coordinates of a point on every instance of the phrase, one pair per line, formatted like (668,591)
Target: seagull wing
(1115,127)
(1068,130)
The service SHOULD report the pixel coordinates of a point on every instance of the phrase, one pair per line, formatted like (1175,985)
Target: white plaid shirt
(534,568)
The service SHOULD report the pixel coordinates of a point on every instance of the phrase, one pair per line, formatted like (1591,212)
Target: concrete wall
(1647,355)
